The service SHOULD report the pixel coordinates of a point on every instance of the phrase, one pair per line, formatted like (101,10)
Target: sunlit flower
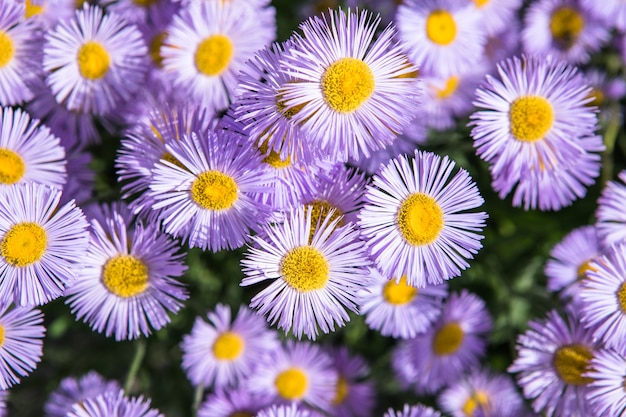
(72,390)
(354,396)
(113,403)
(607,393)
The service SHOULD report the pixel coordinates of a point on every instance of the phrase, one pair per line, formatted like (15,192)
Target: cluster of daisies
(304,153)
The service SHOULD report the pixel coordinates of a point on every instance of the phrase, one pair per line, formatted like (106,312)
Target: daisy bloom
(113,403)
(603,298)
(442,36)
(42,244)
(127,284)
(496,15)
(417,410)
(398,310)
(448,349)
(28,151)
(570,260)
(72,390)
(553,356)
(206,197)
(299,373)
(232,402)
(563,29)
(21,341)
(351,95)
(610,214)
(354,396)
(415,220)
(207,45)
(224,352)
(95,61)
(315,278)
(607,393)
(283,411)
(20,54)
(47,13)
(481,393)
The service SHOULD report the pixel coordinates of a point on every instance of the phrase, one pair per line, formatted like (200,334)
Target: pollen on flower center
(144,3)
(214,54)
(583,269)
(214,190)
(273,158)
(399,293)
(172,160)
(570,362)
(448,339)
(481,3)
(1,335)
(7,49)
(292,384)
(305,269)
(452,84)
(621,296)
(155,48)
(565,25)
(478,399)
(346,84)
(319,210)
(12,167)
(531,118)
(228,346)
(287,112)
(125,276)
(420,219)
(31,9)
(24,244)
(441,27)
(341,391)
(93,60)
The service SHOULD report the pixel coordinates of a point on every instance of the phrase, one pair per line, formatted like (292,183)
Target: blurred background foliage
(507,273)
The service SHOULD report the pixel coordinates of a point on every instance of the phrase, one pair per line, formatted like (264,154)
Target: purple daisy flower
(222,353)
(113,403)
(72,390)
(563,29)
(482,393)
(442,36)
(21,341)
(612,12)
(611,216)
(206,198)
(315,277)
(354,396)
(351,94)
(28,151)
(95,61)
(452,346)
(553,356)
(496,16)
(41,244)
(47,13)
(570,260)
(607,393)
(417,410)
(20,54)
(415,219)
(127,285)
(298,373)
(603,298)
(396,309)
(233,402)
(284,411)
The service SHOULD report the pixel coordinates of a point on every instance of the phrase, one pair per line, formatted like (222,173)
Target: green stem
(140,352)
(610,136)
(197,399)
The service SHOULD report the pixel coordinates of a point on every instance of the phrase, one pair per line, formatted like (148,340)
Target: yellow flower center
(7,49)
(305,269)
(155,48)
(214,54)
(319,210)
(441,27)
(287,112)
(448,339)
(228,346)
(481,3)
(292,384)
(597,97)
(583,269)
(420,219)
(273,158)
(566,25)
(24,244)
(478,400)
(144,3)
(621,296)
(31,9)
(93,60)
(1,335)
(241,414)
(346,84)
(399,293)
(214,190)
(172,160)
(570,362)
(125,276)
(12,167)
(341,391)
(452,84)
(531,118)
